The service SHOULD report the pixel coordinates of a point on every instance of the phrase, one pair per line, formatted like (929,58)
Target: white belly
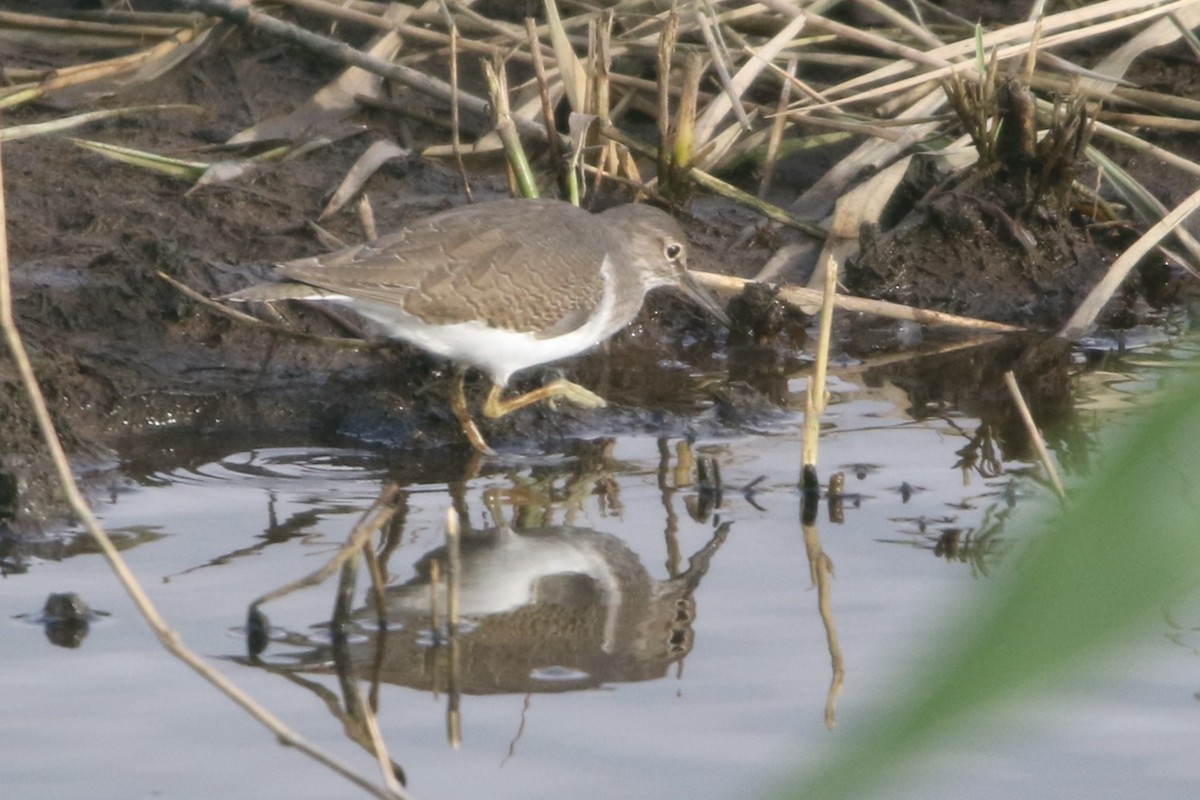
(495,351)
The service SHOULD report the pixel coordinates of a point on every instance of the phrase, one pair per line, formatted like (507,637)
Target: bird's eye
(673,250)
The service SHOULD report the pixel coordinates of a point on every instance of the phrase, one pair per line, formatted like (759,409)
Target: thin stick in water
(815,400)
(1035,436)
(167,636)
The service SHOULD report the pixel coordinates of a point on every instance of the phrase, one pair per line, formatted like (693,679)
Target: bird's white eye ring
(673,250)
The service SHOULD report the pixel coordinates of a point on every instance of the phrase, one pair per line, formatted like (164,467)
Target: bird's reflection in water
(543,607)
(547,609)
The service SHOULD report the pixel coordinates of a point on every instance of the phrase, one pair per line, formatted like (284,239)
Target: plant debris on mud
(120,352)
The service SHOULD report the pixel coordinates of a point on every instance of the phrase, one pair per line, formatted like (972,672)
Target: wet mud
(121,354)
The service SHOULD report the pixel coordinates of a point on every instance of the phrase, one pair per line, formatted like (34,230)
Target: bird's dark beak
(702,298)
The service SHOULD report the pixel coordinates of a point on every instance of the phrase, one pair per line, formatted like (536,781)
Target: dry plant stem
(1085,316)
(1032,55)
(564,175)
(1120,95)
(85,73)
(881,129)
(366,219)
(1142,146)
(1070,20)
(897,19)
(167,636)
(1150,121)
(804,88)
(1188,37)
(903,100)
(682,152)
(815,400)
(600,98)
(345,54)
(720,64)
(417,33)
(666,51)
(165,19)
(1035,436)
(777,127)
(570,69)
(787,9)
(16,20)
(455,138)
(18,132)
(797,296)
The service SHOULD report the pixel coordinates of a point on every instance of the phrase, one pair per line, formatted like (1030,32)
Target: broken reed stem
(799,296)
(455,138)
(815,399)
(497,81)
(59,79)
(343,53)
(720,60)
(419,33)
(685,120)
(366,218)
(778,125)
(15,19)
(1035,436)
(603,77)
(570,70)
(666,53)
(566,177)
(1084,317)
(167,636)
(602,94)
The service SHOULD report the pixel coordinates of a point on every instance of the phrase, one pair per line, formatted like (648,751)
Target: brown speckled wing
(532,266)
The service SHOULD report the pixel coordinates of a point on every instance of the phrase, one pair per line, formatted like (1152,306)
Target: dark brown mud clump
(971,253)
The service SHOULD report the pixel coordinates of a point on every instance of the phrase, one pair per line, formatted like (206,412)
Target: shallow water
(624,631)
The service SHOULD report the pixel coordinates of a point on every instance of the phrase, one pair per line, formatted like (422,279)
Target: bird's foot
(572,393)
(560,389)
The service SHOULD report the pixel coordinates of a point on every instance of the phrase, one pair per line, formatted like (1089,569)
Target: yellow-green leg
(494,407)
(560,389)
(458,404)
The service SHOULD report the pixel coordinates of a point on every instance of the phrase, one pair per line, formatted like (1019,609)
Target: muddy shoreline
(120,353)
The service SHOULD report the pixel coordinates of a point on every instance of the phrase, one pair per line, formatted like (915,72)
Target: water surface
(627,628)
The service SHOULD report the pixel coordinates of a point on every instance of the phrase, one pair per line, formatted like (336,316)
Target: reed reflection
(531,602)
